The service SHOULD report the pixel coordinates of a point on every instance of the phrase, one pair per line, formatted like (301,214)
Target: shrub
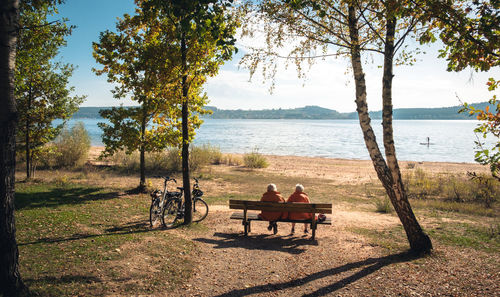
(475,188)
(255,160)
(383,205)
(232,160)
(72,146)
(168,160)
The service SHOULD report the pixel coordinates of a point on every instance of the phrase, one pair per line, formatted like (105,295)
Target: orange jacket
(300,197)
(273,197)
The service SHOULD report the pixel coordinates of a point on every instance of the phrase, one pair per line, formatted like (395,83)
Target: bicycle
(160,199)
(170,206)
(175,207)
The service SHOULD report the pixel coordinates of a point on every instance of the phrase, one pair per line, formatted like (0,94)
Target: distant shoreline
(315,113)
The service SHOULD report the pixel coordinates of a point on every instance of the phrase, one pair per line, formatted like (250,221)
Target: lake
(451,140)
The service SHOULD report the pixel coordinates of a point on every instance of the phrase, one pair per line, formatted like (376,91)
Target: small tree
(490,126)
(42,90)
(135,58)
(201,40)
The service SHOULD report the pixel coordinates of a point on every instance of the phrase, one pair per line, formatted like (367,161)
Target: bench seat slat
(276,206)
(255,217)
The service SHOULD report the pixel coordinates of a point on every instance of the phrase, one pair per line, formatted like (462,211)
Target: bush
(383,205)
(255,160)
(231,160)
(475,188)
(168,160)
(71,147)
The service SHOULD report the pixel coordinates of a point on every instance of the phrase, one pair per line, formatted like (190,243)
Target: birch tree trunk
(389,175)
(11,283)
(419,241)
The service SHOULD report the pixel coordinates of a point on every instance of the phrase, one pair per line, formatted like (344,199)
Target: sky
(328,84)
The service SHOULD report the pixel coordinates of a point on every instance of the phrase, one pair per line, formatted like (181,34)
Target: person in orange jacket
(272,195)
(301,197)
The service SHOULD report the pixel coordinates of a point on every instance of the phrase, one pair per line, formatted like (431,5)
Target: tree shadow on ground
(64,195)
(288,244)
(129,228)
(65,279)
(368,266)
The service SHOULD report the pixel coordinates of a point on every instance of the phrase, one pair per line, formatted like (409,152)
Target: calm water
(451,141)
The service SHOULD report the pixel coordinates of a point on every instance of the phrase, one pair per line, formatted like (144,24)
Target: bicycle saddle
(180,188)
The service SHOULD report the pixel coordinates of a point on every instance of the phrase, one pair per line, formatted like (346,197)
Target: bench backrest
(278,206)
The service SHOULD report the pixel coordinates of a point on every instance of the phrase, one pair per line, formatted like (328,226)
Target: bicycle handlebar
(166,178)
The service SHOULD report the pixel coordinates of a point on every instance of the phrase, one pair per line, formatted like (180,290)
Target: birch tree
(319,29)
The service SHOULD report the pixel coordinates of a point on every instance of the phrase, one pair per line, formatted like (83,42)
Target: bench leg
(249,227)
(313,227)
(246,226)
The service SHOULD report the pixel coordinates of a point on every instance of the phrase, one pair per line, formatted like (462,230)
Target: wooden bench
(247,205)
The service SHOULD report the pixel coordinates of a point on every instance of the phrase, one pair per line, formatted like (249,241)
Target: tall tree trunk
(392,186)
(188,211)
(142,184)
(419,241)
(27,140)
(11,283)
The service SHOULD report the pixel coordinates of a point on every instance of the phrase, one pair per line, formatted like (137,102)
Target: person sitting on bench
(272,195)
(299,196)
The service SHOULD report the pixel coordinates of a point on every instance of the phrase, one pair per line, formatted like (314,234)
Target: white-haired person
(300,197)
(272,195)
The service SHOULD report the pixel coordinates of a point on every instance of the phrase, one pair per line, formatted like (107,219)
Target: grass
(468,235)
(81,240)
(79,233)
(392,239)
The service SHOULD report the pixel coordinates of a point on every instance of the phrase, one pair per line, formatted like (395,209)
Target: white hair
(299,188)
(272,187)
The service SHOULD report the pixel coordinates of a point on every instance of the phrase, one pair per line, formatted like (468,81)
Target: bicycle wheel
(200,210)
(154,213)
(169,216)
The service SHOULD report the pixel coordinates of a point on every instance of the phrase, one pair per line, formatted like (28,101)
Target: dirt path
(339,263)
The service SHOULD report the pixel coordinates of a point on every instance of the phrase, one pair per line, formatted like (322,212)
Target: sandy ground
(339,262)
(343,170)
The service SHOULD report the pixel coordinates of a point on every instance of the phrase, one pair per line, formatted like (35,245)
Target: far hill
(318,113)
(305,113)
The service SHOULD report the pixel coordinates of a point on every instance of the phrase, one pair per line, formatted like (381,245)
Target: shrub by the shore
(169,160)
(70,149)
(479,189)
(255,160)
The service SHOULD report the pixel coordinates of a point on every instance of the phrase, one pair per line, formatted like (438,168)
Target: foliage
(41,83)
(72,146)
(490,125)
(469,30)
(255,160)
